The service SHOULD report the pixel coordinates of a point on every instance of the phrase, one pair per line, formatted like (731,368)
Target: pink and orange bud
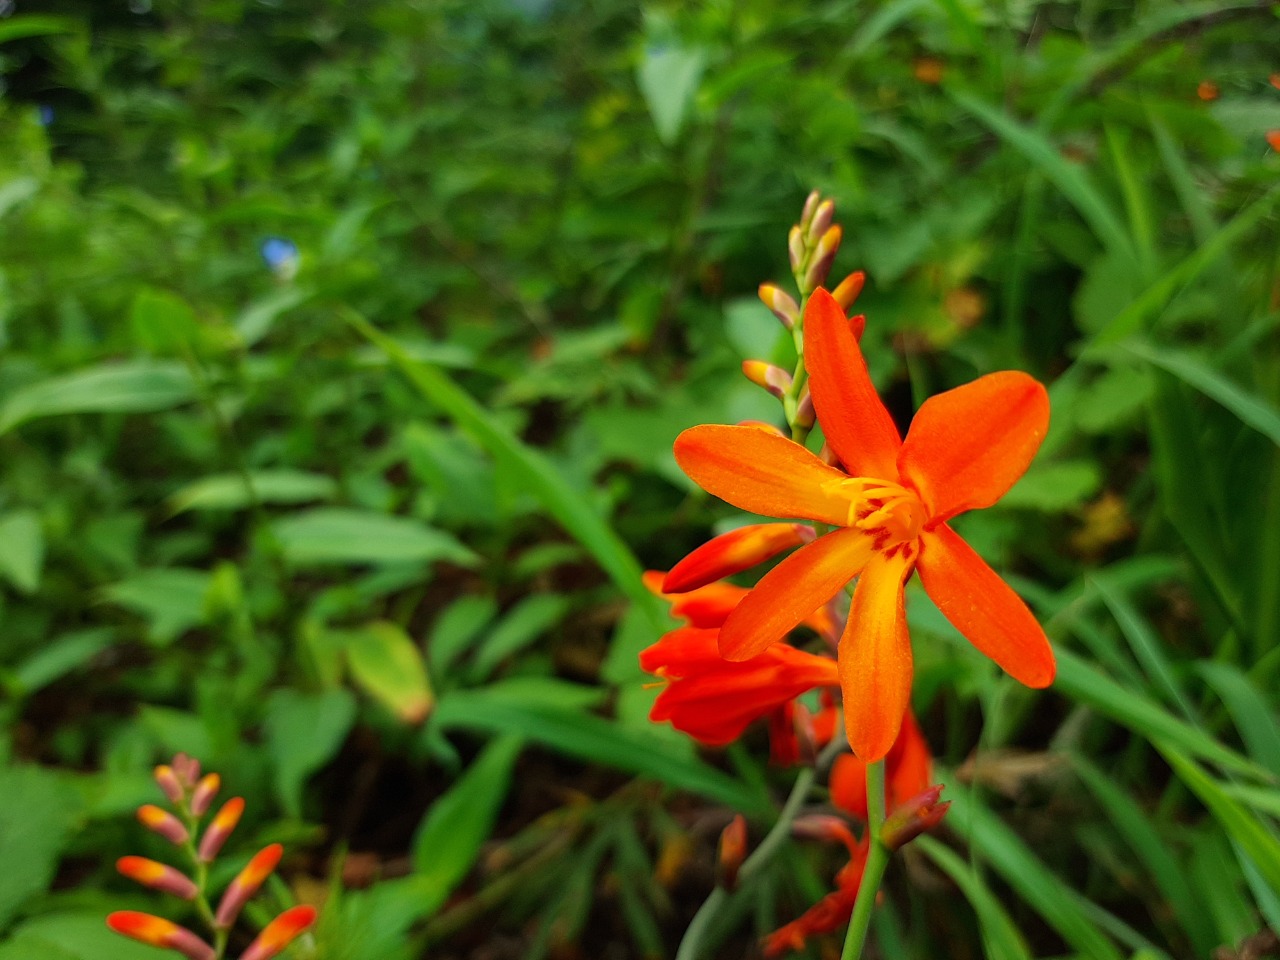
(796,248)
(733,850)
(915,816)
(158,932)
(846,294)
(187,769)
(1273,138)
(280,932)
(780,303)
(157,876)
(806,416)
(821,259)
(822,218)
(734,552)
(1207,90)
(810,205)
(168,781)
(220,827)
(825,827)
(204,793)
(162,822)
(765,375)
(247,883)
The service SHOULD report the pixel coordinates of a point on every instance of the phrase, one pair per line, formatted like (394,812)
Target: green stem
(692,942)
(877,860)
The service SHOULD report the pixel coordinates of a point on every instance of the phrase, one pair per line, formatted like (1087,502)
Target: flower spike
(280,932)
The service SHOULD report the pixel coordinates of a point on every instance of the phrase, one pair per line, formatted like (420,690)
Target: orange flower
(890,506)
(907,766)
(830,913)
(712,699)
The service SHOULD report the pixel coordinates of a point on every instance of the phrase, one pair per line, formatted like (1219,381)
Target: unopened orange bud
(1207,90)
(204,793)
(850,287)
(796,248)
(781,303)
(157,876)
(158,932)
(914,817)
(806,415)
(187,769)
(734,552)
(773,379)
(821,259)
(733,850)
(280,932)
(825,827)
(822,218)
(220,827)
(247,883)
(810,205)
(858,325)
(1275,80)
(168,781)
(162,822)
(1273,138)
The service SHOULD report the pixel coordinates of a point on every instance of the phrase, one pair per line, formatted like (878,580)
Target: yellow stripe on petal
(875,658)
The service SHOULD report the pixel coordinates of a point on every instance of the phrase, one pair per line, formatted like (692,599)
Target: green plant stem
(692,941)
(877,860)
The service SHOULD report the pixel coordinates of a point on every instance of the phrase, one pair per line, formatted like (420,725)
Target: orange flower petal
(968,446)
(983,607)
(907,766)
(734,552)
(875,658)
(761,473)
(280,932)
(854,419)
(794,589)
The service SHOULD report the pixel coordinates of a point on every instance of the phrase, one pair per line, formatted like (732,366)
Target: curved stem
(877,860)
(692,941)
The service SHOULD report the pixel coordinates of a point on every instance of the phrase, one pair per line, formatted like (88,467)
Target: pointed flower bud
(220,827)
(246,884)
(850,287)
(765,375)
(796,249)
(204,793)
(922,812)
(806,415)
(858,324)
(162,822)
(187,769)
(821,259)
(733,850)
(168,781)
(157,876)
(734,552)
(280,932)
(810,205)
(822,218)
(825,827)
(159,932)
(781,303)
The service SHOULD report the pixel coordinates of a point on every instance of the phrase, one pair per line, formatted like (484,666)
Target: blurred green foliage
(341,351)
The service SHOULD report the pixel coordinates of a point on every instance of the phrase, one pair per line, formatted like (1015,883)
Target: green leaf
(35,26)
(531,469)
(37,817)
(1250,711)
(229,491)
(594,739)
(520,626)
(66,935)
(459,624)
(163,322)
(460,821)
(328,535)
(304,732)
(1000,936)
(1250,409)
(256,321)
(1052,486)
(669,77)
(60,656)
(389,667)
(21,549)
(136,386)
(172,600)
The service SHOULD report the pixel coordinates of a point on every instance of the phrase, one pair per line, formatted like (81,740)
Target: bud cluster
(191,797)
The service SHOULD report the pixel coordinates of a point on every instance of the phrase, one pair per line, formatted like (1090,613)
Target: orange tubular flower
(734,552)
(907,766)
(890,506)
(712,699)
(830,913)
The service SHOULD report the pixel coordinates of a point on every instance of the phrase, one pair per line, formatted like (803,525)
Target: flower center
(889,511)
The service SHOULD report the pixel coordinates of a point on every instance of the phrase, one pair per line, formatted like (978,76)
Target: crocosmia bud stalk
(781,303)
(162,822)
(215,835)
(246,884)
(810,206)
(168,781)
(157,876)
(821,259)
(204,793)
(917,815)
(822,218)
(280,932)
(158,932)
(733,850)
(773,379)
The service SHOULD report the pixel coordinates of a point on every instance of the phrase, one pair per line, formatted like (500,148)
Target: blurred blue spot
(279,252)
(45,114)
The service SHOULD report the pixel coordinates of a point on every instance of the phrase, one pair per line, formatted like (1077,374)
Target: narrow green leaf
(460,821)
(230,491)
(136,386)
(1250,711)
(327,535)
(389,666)
(520,626)
(60,656)
(1001,938)
(171,599)
(535,473)
(35,26)
(21,549)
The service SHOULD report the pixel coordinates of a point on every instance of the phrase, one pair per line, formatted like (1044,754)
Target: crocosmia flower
(888,504)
